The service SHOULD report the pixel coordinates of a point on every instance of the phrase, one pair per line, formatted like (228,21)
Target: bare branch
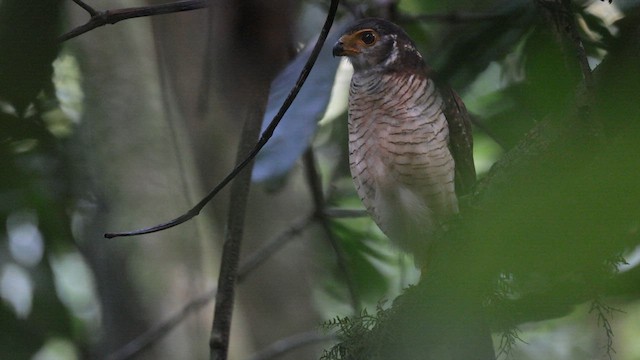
(234,231)
(86,7)
(272,246)
(154,334)
(264,138)
(227,279)
(101,18)
(293,342)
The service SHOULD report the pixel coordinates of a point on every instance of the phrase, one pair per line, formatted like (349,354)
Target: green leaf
(361,251)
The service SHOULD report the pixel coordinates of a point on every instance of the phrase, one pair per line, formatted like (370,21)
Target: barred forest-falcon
(410,145)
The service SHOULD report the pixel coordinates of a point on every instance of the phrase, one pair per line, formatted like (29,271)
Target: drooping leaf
(295,132)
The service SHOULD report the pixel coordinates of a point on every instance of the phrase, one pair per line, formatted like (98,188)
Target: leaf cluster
(351,331)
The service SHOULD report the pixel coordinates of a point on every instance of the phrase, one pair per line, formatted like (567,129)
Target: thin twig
(101,18)
(603,313)
(318,199)
(264,138)
(252,262)
(293,342)
(86,7)
(272,246)
(148,338)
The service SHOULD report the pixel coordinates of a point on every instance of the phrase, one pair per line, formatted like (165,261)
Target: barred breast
(399,155)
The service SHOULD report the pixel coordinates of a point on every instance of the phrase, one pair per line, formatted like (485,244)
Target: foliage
(544,232)
(34,187)
(294,135)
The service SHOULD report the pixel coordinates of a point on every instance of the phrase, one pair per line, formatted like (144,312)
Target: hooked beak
(344,47)
(338,49)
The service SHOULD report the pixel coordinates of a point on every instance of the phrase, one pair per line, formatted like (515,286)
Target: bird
(410,142)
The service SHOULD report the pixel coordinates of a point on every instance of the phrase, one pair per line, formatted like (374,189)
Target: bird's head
(378,45)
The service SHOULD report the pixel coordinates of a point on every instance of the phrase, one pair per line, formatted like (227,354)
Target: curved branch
(264,138)
(154,334)
(101,18)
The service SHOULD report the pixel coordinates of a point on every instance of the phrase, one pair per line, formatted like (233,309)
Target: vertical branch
(219,341)
(255,100)
(319,204)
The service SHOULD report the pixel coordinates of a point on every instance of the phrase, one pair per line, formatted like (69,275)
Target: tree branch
(272,246)
(264,138)
(223,313)
(252,262)
(86,7)
(101,18)
(148,338)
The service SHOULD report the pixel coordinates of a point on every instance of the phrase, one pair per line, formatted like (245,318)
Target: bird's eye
(368,37)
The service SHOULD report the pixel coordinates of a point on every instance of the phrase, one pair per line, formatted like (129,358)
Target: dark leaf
(295,132)
(28,46)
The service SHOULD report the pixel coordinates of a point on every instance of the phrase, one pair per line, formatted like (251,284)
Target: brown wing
(460,141)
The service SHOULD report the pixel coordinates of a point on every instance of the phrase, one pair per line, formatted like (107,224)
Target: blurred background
(129,125)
